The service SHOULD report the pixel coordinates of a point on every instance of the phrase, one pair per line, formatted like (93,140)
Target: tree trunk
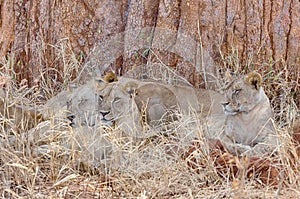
(197,38)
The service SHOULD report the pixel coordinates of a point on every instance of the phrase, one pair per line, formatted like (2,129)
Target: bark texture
(195,37)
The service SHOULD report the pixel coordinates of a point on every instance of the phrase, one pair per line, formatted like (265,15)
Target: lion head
(117,108)
(243,94)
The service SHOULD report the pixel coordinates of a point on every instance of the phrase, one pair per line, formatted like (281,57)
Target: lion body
(249,129)
(244,124)
(133,104)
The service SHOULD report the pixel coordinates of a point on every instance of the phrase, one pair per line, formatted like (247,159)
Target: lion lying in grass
(244,125)
(135,106)
(132,105)
(78,105)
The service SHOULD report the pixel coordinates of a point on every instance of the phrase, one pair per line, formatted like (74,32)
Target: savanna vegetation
(49,47)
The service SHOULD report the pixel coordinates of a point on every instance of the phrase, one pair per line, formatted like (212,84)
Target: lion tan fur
(151,103)
(77,104)
(249,129)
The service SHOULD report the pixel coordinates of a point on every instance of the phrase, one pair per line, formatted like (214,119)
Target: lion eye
(117,99)
(237,91)
(100,97)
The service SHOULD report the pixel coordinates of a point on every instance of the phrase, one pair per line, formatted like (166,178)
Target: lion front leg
(266,147)
(263,148)
(236,149)
(259,150)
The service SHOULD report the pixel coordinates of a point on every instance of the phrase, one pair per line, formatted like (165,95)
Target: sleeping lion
(133,105)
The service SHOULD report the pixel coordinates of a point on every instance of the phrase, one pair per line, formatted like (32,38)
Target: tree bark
(196,38)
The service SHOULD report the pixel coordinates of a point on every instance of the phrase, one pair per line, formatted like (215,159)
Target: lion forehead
(104,96)
(239,89)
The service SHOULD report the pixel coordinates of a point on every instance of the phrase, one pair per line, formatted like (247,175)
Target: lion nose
(104,113)
(71,117)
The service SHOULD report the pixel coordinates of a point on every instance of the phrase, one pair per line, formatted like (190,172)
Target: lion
(249,128)
(133,105)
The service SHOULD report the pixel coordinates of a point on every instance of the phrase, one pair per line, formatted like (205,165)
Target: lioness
(131,104)
(249,129)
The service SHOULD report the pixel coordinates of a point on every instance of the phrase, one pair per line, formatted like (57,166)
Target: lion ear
(108,78)
(254,79)
(130,88)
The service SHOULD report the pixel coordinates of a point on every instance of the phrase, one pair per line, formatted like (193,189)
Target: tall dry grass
(47,167)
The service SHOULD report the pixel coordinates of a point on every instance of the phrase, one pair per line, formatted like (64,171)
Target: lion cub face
(116,105)
(242,94)
(112,101)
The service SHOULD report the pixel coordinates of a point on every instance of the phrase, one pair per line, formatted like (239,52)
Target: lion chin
(230,113)
(229,110)
(106,122)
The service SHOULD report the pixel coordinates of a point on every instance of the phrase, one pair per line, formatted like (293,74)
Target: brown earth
(268,172)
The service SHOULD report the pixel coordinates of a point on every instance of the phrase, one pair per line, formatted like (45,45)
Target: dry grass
(47,167)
